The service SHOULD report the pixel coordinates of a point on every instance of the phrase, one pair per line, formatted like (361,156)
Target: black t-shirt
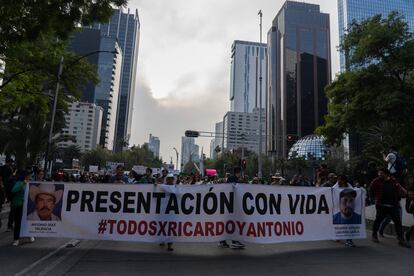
(388,194)
(5,173)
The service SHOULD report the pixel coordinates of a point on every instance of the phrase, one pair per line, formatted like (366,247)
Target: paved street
(52,257)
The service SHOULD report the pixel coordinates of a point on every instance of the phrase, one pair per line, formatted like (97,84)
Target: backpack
(400,164)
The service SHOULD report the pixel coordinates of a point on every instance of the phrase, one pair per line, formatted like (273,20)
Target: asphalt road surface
(54,257)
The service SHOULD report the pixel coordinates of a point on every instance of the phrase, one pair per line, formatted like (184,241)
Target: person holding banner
(169,180)
(147,178)
(235,178)
(119,176)
(387,192)
(18,191)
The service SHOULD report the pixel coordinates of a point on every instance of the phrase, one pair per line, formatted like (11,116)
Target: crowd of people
(385,188)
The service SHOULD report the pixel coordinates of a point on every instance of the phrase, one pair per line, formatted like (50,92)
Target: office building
(189,151)
(244,76)
(217,143)
(83,124)
(358,10)
(125,27)
(107,58)
(241,130)
(154,145)
(299,68)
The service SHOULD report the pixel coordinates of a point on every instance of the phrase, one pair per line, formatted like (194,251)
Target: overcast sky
(183,76)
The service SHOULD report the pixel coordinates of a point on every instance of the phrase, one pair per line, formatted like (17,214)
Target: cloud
(183,72)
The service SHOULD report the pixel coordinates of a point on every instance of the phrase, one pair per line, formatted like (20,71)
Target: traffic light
(192,133)
(244,164)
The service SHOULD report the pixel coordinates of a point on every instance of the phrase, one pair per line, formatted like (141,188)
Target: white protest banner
(93,169)
(199,213)
(112,166)
(139,169)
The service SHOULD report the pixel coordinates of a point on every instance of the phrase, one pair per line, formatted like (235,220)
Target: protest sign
(139,169)
(198,213)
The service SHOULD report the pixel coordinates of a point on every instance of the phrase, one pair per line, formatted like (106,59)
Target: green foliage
(24,21)
(27,95)
(377,88)
(227,160)
(136,155)
(190,168)
(96,157)
(70,153)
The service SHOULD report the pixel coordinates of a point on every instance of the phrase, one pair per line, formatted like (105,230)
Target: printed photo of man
(347,206)
(45,197)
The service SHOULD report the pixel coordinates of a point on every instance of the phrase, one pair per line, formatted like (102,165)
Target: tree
(97,157)
(378,87)
(26,102)
(25,21)
(70,153)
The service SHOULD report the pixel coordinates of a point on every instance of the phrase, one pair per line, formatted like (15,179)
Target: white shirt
(391,159)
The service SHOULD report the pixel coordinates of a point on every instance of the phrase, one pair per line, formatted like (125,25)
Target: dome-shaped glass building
(310,147)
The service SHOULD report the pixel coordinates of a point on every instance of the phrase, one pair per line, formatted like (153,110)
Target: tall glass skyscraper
(106,93)
(349,10)
(299,68)
(125,27)
(244,76)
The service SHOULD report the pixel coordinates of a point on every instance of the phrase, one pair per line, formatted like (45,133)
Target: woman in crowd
(18,190)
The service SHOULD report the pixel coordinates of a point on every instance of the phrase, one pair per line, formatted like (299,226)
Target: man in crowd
(331,180)
(234,178)
(147,178)
(386,192)
(40,175)
(119,176)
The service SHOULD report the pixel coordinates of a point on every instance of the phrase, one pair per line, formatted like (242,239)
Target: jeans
(387,220)
(17,218)
(393,213)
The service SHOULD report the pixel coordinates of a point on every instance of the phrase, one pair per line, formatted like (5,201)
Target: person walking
(6,174)
(234,178)
(18,190)
(386,192)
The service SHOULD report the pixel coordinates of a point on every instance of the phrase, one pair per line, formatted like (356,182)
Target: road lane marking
(55,263)
(44,258)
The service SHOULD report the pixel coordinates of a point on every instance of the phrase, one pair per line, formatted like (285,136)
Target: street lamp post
(52,121)
(176,153)
(260,99)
